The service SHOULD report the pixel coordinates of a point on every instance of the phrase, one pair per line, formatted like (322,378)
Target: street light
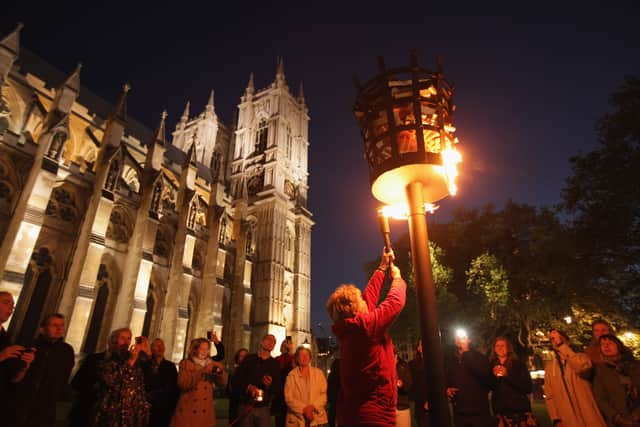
(405,121)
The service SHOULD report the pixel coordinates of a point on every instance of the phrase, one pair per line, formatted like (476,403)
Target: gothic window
(148,315)
(39,276)
(155,200)
(249,246)
(99,308)
(262,134)
(130,179)
(216,163)
(288,142)
(191,220)
(222,237)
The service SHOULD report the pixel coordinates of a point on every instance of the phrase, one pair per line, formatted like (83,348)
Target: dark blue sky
(530,83)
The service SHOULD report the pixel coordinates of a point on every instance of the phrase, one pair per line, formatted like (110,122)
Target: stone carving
(255,184)
(57,145)
(119,228)
(62,205)
(164,239)
(112,176)
(290,189)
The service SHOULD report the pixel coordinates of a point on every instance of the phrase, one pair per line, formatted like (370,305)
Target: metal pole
(428,312)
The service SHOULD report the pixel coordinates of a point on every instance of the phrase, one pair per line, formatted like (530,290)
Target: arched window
(157,195)
(223,231)
(151,303)
(288,142)
(249,245)
(193,210)
(40,275)
(262,135)
(99,308)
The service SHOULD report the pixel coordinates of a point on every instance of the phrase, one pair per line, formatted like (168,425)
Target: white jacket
(296,402)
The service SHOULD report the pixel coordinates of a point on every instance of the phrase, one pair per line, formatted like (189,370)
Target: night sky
(530,83)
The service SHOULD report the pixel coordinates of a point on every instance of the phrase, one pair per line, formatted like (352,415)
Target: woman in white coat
(305,393)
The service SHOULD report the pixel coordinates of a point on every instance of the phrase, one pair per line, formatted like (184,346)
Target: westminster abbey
(113,225)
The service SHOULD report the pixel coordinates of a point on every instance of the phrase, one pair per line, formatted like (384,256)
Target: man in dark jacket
(160,378)
(39,391)
(257,382)
(468,385)
(14,361)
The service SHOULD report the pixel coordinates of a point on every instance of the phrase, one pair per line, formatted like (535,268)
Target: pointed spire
(9,47)
(250,90)
(68,91)
(73,81)
(301,94)
(210,108)
(159,136)
(280,68)
(120,111)
(185,115)
(11,42)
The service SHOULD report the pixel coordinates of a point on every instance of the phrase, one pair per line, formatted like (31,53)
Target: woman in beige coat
(197,374)
(568,394)
(305,393)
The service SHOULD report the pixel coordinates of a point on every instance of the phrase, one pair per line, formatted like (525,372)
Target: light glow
(461,333)
(401,210)
(450,159)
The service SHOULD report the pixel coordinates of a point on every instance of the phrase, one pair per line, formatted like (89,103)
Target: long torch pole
(433,356)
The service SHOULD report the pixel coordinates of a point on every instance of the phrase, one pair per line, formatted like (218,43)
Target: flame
(401,210)
(450,159)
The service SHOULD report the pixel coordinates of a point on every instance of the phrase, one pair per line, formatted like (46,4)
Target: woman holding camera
(196,377)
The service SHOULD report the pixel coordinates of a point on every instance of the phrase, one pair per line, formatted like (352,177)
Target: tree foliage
(602,197)
(487,277)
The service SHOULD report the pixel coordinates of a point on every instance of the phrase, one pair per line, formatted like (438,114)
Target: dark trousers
(475,421)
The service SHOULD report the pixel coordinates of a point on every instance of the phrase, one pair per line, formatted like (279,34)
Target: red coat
(368,380)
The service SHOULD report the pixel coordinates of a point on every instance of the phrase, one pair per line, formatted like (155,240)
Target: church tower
(269,185)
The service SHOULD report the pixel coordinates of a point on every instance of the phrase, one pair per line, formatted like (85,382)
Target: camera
(138,340)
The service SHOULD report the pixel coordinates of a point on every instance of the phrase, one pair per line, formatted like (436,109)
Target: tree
(602,198)
(487,277)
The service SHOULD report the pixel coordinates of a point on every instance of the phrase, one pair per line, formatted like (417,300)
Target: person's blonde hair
(195,345)
(345,302)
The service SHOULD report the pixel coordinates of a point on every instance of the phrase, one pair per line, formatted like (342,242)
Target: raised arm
(371,293)
(384,315)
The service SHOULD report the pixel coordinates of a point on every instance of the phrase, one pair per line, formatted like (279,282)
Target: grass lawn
(540,412)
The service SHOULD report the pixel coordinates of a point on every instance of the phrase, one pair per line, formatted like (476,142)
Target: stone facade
(113,225)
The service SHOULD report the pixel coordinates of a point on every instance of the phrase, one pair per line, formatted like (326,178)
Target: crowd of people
(595,387)
(131,384)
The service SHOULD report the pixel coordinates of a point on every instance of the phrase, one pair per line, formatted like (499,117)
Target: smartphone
(209,335)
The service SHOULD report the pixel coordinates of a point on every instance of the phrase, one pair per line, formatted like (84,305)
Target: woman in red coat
(368,379)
